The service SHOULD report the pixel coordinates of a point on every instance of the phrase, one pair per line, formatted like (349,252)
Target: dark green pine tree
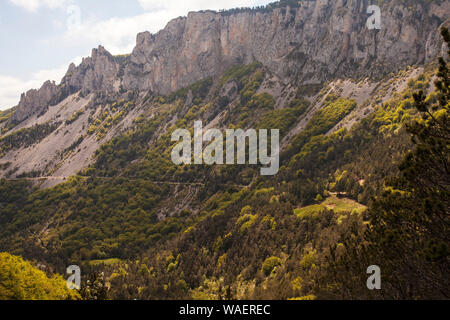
(409,235)
(410,223)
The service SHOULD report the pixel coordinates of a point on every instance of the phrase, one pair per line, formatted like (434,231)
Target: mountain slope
(90,179)
(302,45)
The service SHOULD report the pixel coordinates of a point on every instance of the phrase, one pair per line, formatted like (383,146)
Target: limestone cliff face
(35,101)
(315,42)
(97,72)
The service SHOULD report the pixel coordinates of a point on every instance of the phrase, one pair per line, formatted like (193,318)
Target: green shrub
(270,264)
(74,117)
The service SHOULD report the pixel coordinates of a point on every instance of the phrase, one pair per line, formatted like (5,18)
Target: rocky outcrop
(97,72)
(315,42)
(310,44)
(35,101)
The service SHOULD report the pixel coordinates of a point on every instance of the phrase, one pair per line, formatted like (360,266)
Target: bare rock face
(97,72)
(313,43)
(35,101)
(318,41)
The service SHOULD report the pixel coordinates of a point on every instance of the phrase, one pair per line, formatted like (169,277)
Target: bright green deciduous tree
(20,280)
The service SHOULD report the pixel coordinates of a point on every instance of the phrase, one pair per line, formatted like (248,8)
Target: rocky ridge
(315,42)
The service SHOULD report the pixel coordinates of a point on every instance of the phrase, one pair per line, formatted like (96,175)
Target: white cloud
(12,87)
(118,35)
(33,5)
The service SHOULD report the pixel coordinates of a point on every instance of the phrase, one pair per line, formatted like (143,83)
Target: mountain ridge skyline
(349,27)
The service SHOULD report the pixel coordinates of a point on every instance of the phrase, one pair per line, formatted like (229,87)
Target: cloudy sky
(41,37)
